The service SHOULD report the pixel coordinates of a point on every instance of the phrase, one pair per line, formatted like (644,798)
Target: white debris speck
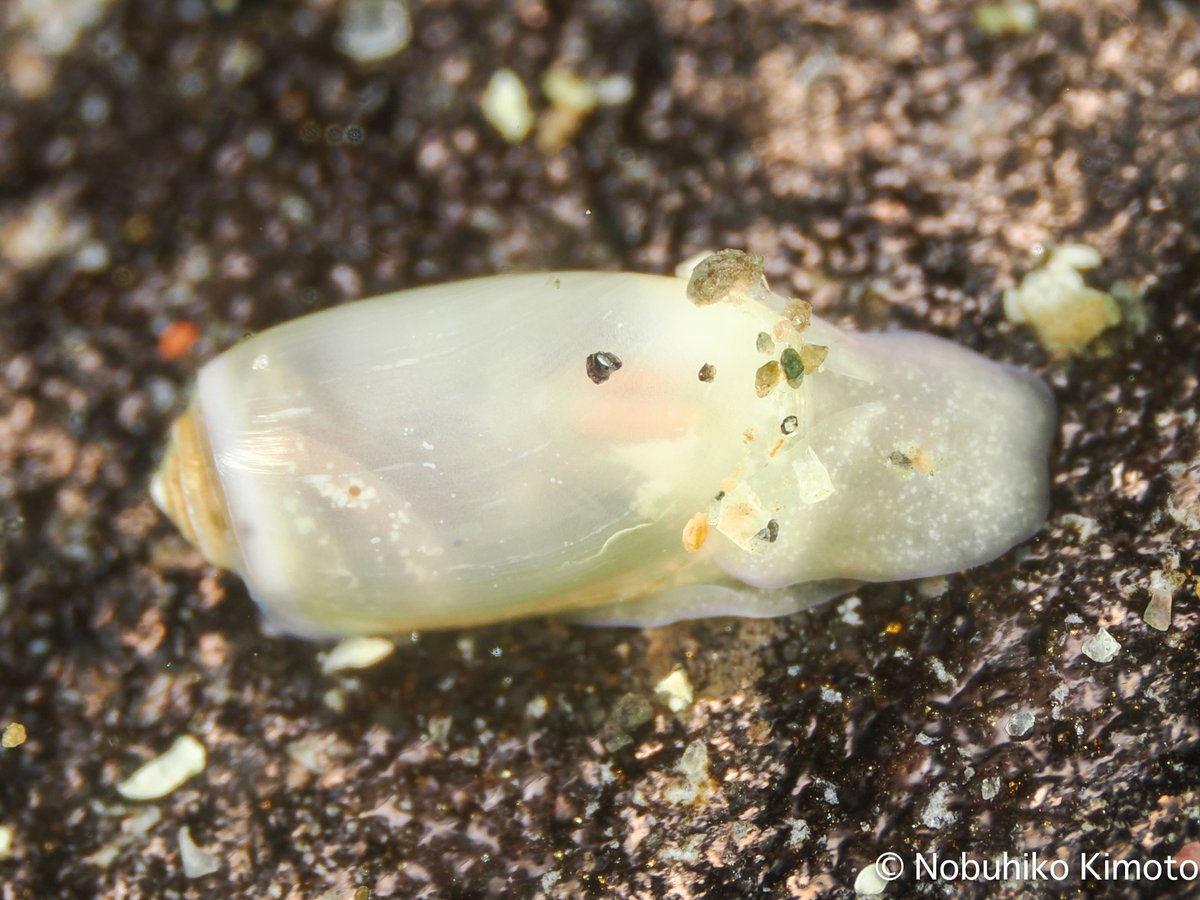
(56,26)
(936,813)
(1020,724)
(505,105)
(1101,646)
(373,29)
(939,670)
(537,707)
(933,587)
(869,882)
(6,841)
(196,862)
(831,695)
(297,210)
(1058,696)
(990,788)
(41,232)
(92,257)
(261,362)
(675,691)
(356,653)
(798,833)
(160,776)
(1085,526)
(613,90)
(848,611)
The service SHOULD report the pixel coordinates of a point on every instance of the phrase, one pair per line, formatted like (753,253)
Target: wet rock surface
(174,175)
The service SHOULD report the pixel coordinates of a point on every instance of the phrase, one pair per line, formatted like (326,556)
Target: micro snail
(617,448)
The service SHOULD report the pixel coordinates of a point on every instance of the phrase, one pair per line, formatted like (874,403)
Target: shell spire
(187,489)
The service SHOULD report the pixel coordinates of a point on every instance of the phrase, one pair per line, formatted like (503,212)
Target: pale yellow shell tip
(185,487)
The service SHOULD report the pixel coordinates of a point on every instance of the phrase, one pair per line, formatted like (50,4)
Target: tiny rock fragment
(740,517)
(813,483)
(688,266)
(6,842)
(567,89)
(1158,612)
(769,533)
(793,368)
(767,377)
(1020,724)
(630,712)
(600,365)
(798,314)
(675,691)
(177,340)
(160,776)
(14,736)
(1013,18)
(1084,526)
(373,29)
(697,785)
(764,343)
(708,372)
(812,356)
(1066,314)
(921,461)
(1163,585)
(356,653)
(505,105)
(724,275)
(695,532)
(613,90)
(1101,646)
(196,862)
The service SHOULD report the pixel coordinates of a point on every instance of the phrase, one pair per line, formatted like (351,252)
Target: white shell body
(440,457)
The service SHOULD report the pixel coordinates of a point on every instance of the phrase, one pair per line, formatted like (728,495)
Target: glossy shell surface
(597,444)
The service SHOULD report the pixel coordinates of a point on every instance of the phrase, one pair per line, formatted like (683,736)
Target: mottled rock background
(222,166)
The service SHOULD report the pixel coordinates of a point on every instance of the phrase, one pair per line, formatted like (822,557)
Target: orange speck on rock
(177,340)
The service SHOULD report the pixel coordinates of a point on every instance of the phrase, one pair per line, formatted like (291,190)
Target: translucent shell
(596,444)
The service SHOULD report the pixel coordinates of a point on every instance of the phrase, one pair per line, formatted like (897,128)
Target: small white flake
(196,862)
(869,882)
(373,29)
(356,653)
(160,776)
